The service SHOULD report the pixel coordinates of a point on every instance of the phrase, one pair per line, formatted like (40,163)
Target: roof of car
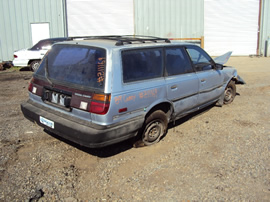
(56,39)
(121,41)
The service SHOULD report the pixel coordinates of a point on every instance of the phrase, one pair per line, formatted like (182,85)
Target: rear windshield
(83,66)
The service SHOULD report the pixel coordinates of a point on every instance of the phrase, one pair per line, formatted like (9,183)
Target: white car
(32,56)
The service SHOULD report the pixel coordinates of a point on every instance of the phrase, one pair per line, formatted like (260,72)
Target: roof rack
(125,39)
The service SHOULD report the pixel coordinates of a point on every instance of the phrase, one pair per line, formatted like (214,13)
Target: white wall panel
(100,17)
(231,25)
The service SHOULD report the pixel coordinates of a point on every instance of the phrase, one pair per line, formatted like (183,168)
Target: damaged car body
(98,91)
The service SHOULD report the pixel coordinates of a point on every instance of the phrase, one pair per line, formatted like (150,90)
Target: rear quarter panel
(134,99)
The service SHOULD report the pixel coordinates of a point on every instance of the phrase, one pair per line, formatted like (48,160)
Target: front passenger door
(210,79)
(181,80)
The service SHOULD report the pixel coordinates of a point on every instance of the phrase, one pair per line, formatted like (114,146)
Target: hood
(223,58)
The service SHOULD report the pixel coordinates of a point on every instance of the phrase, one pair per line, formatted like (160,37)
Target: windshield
(40,44)
(83,66)
(46,43)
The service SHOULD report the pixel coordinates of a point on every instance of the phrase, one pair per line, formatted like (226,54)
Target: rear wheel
(34,65)
(230,93)
(155,127)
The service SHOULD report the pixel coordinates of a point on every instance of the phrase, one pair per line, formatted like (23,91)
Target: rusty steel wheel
(230,93)
(155,127)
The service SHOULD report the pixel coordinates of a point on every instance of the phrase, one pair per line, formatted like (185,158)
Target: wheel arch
(32,60)
(166,107)
(154,128)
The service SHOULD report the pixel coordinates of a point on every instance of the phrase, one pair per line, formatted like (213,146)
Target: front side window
(75,65)
(142,64)
(177,61)
(201,60)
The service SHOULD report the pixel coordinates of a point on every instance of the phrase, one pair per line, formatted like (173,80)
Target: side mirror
(203,66)
(218,67)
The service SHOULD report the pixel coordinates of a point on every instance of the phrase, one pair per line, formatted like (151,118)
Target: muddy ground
(221,153)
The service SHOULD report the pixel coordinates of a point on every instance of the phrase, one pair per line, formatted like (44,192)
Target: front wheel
(229,93)
(154,128)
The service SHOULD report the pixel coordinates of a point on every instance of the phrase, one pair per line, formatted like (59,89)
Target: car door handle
(174,87)
(203,80)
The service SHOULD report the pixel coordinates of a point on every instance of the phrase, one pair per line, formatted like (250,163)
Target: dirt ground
(221,153)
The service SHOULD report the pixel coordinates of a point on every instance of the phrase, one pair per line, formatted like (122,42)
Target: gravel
(217,154)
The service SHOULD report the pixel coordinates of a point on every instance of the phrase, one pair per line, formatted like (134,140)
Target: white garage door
(100,17)
(231,25)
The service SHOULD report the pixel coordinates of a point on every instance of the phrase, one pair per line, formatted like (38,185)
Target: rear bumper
(20,63)
(89,135)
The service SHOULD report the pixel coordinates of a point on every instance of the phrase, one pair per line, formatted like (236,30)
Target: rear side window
(142,64)
(177,61)
(77,65)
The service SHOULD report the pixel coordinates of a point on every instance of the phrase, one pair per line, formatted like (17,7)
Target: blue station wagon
(97,91)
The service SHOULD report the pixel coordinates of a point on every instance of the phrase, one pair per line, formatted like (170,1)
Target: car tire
(34,65)
(155,127)
(230,92)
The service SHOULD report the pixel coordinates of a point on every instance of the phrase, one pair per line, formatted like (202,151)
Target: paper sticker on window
(101,69)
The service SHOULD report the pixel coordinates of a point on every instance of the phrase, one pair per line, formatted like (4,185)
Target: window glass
(41,44)
(45,43)
(78,65)
(199,58)
(142,64)
(177,62)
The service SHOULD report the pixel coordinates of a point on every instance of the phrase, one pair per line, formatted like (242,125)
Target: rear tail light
(15,56)
(100,104)
(30,87)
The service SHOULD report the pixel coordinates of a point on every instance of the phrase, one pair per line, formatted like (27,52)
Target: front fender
(230,73)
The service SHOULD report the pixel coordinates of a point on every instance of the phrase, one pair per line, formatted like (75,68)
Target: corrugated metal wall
(163,18)
(265,26)
(16,17)
(169,18)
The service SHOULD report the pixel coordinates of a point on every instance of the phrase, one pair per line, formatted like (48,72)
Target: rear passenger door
(182,83)
(210,79)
